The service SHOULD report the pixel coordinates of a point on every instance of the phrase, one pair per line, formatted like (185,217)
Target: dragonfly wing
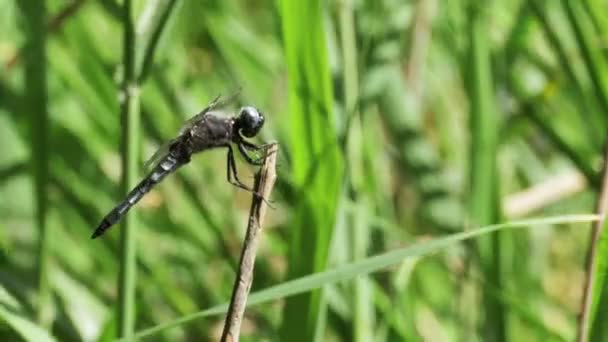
(160,153)
(192,121)
(217,103)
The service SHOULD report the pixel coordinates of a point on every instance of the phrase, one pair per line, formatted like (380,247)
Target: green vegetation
(408,132)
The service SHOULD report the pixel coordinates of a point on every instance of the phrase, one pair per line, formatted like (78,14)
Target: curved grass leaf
(27,329)
(365,266)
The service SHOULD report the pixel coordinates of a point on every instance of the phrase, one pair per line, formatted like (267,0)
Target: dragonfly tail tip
(101,229)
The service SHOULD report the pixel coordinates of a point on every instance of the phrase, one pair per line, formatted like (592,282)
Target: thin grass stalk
(598,330)
(35,102)
(539,9)
(130,115)
(593,122)
(149,30)
(532,109)
(595,64)
(139,45)
(368,265)
(362,289)
(518,36)
(596,9)
(483,179)
(596,265)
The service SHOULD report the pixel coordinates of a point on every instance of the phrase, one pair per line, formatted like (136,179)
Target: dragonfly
(209,129)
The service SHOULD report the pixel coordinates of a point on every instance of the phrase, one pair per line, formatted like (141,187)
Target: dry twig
(601,207)
(264,182)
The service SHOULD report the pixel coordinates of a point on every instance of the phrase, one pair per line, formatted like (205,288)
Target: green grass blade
(483,171)
(34,13)
(150,28)
(596,322)
(539,9)
(130,161)
(138,50)
(595,9)
(362,293)
(316,161)
(595,62)
(557,42)
(366,266)
(24,327)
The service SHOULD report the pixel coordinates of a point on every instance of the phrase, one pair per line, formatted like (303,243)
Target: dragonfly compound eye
(250,121)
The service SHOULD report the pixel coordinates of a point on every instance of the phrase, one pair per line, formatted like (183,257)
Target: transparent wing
(192,121)
(218,102)
(162,151)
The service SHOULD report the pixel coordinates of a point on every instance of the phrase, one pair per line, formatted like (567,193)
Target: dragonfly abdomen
(167,165)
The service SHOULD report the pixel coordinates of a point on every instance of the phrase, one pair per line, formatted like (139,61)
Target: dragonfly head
(249,121)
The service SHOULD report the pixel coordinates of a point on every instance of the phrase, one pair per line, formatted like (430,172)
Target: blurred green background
(398,122)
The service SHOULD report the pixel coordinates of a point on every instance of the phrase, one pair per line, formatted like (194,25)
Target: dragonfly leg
(257,148)
(253,161)
(231,173)
(253,147)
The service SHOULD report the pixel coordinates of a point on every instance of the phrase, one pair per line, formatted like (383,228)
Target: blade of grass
(34,14)
(12,170)
(599,293)
(483,180)
(597,267)
(150,28)
(365,266)
(130,115)
(540,8)
(533,108)
(317,165)
(362,300)
(138,51)
(594,9)
(24,327)
(595,63)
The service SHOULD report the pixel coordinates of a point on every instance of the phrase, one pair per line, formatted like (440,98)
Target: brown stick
(264,182)
(601,207)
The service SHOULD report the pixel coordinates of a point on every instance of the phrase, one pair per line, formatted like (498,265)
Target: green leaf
(27,329)
(600,286)
(484,182)
(316,160)
(365,266)
(35,108)
(150,28)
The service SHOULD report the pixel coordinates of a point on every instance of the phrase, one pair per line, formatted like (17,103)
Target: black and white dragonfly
(211,128)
